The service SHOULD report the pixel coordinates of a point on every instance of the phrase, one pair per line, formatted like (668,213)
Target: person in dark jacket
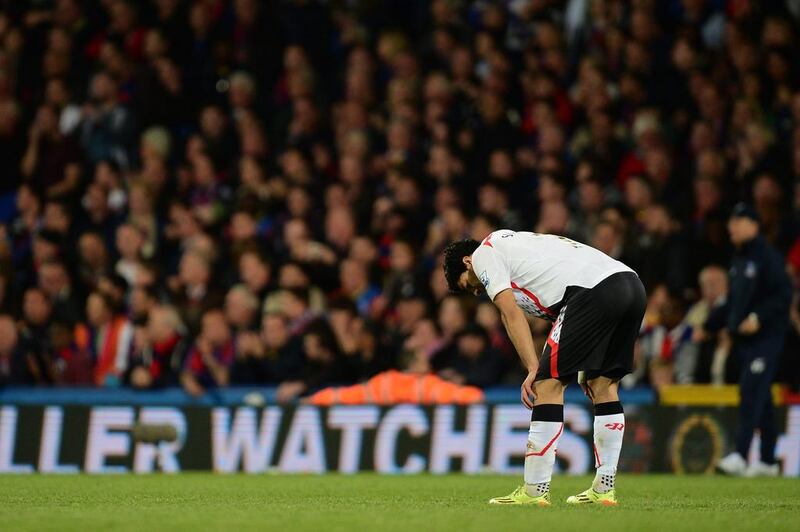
(14,362)
(34,332)
(476,363)
(323,364)
(757,318)
(269,357)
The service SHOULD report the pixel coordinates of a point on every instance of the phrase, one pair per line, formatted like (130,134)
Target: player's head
(458,266)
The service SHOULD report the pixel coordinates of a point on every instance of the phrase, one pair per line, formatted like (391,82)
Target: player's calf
(609,430)
(547,423)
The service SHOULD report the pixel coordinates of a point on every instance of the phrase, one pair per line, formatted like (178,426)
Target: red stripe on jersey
(533,298)
(544,450)
(486,241)
(553,357)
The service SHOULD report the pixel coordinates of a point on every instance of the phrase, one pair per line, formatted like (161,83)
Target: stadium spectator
(241,308)
(107,129)
(12,141)
(271,357)
(452,320)
(129,241)
(409,310)
(475,363)
(157,363)
(295,306)
(192,291)
(425,340)
(255,272)
(224,144)
(93,260)
(706,362)
(13,360)
(488,317)
(141,301)
(52,161)
(209,360)
(401,278)
(55,282)
(107,337)
(323,363)
(665,340)
(34,334)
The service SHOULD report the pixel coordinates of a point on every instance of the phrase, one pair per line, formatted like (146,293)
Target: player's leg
(556,368)
(609,430)
(602,388)
(547,423)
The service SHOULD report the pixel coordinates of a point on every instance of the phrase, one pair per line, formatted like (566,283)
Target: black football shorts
(596,330)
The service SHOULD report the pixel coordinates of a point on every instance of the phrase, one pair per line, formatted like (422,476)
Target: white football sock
(541,455)
(608,432)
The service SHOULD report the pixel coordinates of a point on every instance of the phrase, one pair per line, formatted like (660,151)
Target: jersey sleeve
(492,270)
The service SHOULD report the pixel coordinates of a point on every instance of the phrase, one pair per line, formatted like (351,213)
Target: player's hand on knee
(529,390)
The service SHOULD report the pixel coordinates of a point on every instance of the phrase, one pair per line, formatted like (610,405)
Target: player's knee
(604,390)
(549,391)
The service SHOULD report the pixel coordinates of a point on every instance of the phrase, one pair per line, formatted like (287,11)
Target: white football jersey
(538,268)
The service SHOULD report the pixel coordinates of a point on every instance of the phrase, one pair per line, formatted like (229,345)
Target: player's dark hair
(454,265)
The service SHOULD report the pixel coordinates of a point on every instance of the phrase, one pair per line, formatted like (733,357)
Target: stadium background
(211,206)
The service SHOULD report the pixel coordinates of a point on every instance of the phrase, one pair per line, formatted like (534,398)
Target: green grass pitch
(197,501)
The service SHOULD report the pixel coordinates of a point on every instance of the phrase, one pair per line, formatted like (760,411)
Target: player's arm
(520,333)
(517,327)
(492,270)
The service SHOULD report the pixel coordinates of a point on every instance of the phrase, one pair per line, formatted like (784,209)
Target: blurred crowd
(213,193)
